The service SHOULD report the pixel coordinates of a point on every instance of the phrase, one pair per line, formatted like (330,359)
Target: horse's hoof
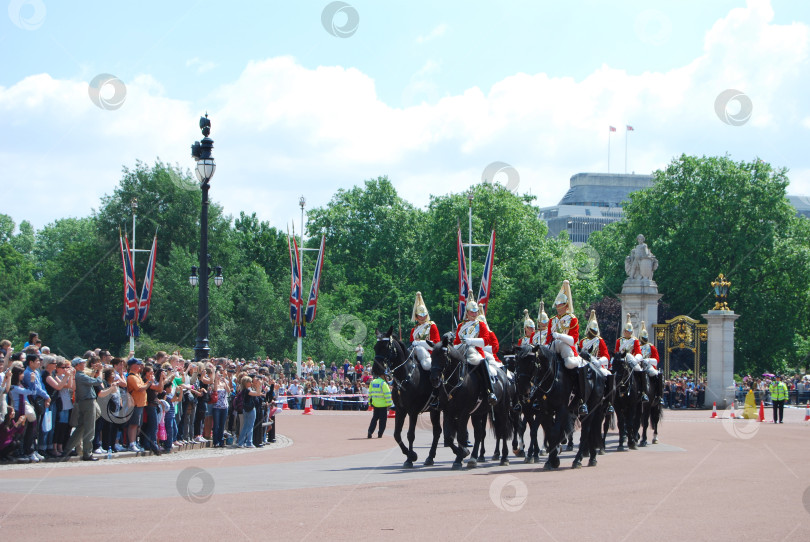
(548,466)
(528,460)
(456,465)
(504,462)
(408,464)
(600,451)
(555,462)
(632,446)
(520,453)
(472,463)
(592,463)
(569,448)
(464,452)
(655,440)
(577,464)
(643,444)
(412,456)
(542,452)
(621,448)
(429,462)
(495,457)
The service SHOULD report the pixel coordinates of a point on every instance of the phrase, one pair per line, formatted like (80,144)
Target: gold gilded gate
(681,332)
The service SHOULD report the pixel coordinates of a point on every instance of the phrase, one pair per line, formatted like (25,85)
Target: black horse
(546,389)
(590,440)
(652,412)
(461,397)
(411,393)
(627,402)
(517,419)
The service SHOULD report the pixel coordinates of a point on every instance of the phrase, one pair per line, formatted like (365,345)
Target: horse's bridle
(391,358)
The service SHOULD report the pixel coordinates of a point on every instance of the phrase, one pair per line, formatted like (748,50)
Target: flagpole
(302,202)
(609,133)
(134,204)
(469,245)
(626,131)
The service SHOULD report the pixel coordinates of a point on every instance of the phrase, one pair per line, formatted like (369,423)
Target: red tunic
(482,332)
(433,336)
(603,351)
(567,325)
(652,354)
(636,347)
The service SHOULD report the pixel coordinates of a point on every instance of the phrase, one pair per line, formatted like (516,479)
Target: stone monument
(640,292)
(720,348)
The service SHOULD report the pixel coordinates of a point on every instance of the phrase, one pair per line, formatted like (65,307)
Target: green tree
(710,215)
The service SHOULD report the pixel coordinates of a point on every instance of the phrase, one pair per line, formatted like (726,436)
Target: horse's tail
(501,423)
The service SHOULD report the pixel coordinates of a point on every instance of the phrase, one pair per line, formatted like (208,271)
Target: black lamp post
(201,152)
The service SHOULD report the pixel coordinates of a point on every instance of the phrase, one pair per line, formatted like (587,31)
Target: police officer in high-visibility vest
(379,397)
(779,394)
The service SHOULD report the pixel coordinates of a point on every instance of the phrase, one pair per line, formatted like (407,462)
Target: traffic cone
(392,413)
(370,408)
(308,407)
(762,411)
(284,405)
(807,412)
(731,412)
(714,410)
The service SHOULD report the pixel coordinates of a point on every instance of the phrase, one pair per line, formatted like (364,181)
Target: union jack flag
(486,279)
(312,302)
(295,291)
(130,295)
(463,280)
(148,283)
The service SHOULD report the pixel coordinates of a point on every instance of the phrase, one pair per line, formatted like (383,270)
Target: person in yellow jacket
(779,394)
(379,397)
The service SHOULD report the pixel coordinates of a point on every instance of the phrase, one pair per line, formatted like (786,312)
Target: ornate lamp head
(721,286)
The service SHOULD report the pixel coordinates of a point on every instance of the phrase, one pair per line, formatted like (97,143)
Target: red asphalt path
(707,480)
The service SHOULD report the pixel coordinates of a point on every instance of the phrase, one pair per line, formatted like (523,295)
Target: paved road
(706,480)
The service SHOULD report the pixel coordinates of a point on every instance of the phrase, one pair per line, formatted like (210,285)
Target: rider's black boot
(642,380)
(583,375)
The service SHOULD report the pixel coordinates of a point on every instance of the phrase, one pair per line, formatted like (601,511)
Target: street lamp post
(201,152)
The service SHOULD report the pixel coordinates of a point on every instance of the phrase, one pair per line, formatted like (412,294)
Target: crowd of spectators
(684,392)
(54,408)
(798,387)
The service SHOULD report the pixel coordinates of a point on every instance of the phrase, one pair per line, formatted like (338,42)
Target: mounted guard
(528,330)
(629,348)
(593,348)
(424,330)
(649,362)
(474,331)
(542,326)
(563,332)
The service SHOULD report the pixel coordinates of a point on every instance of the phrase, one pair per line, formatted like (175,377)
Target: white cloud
(282,130)
(435,33)
(201,67)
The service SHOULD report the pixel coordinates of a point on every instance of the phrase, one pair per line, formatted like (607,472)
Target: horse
(410,399)
(652,412)
(542,381)
(627,402)
(518,421)
(590,435)
(526,381)
(460,395)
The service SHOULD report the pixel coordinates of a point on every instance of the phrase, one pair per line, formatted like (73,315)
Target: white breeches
(422,355)
(650,365)
(572,362)
(602,366)
(564,350)
(634,361)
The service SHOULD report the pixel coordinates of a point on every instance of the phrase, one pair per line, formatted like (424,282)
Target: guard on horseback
(424,330)
(528,330)
(650,362)
(593,348)
(475,332)
(628,347)
(542,326)
(563,332)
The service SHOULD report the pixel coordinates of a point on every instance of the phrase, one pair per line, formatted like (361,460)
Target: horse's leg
(595,434)
(620,423)
(463,423)
(632,437)
(645,421)
(603,434)
(656,418)
(435,421)
(399,422)
(412,456)
(479,432)
(554,433)
(504,426)
(569,433)
(450,435)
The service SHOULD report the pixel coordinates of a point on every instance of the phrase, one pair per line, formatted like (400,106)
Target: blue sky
(427,93)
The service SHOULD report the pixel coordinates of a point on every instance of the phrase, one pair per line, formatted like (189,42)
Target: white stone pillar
(720,358)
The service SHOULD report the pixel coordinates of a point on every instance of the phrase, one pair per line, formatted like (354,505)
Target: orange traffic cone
(285,406)
(370,408)
(762,411)
(308,407)
(807,412)
(392,413)
(714,409)
(731,412)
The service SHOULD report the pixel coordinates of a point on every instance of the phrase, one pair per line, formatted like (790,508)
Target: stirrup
(610,409)
(493,399)
(583,409)
(644,398)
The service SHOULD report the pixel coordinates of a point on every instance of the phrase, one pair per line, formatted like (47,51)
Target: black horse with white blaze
(411,392)
(461,396)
